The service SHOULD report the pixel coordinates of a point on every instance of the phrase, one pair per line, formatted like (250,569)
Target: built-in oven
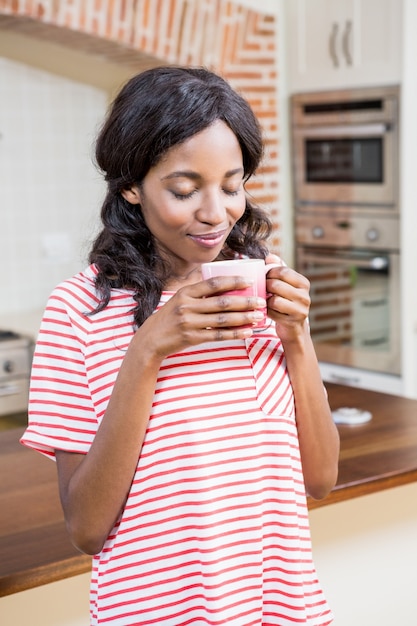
(353,268)
(345,147)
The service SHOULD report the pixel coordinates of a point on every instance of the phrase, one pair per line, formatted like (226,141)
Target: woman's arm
(94,486)
(318,435)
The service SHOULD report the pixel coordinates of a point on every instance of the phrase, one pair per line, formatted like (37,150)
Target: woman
(185,439)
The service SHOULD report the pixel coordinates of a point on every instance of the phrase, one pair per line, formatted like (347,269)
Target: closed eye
(186,196)
(183,196)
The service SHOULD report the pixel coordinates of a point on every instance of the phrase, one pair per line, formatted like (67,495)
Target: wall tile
(49,186)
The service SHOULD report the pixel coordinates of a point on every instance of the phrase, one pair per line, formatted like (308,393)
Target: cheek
(237,208)
(164,216)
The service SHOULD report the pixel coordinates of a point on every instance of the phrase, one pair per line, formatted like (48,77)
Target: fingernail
(257,315)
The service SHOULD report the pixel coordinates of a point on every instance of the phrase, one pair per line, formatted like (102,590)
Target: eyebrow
(196,176)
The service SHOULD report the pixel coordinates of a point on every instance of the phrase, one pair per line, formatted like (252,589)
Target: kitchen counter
(34,545)
(35,549)
(376,455)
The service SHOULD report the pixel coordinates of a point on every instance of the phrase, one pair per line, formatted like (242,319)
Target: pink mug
(253,269)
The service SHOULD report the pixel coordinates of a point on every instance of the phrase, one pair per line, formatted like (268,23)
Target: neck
(176,280)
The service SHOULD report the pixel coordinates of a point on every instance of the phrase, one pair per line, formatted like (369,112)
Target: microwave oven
(345,147)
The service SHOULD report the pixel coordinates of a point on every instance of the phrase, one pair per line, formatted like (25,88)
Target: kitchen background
(67,59)
(61,61)
(50,192)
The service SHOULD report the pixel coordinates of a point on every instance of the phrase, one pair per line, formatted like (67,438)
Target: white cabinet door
(343,43)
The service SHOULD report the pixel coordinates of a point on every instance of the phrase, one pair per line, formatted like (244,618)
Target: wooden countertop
(376,455)
(34,546)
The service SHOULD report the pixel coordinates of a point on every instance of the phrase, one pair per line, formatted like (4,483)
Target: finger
(232,302)
(185,310)
(290,276)
(224,319)
(221,311)
(290,293)
(217,284)
(289,308)
(273,258)
(298,292)
(225,334)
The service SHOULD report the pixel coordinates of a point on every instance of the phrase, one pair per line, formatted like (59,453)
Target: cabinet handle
(374,303)
(332,44)
(378,341)
(344,380)
(346,42)
(9,389)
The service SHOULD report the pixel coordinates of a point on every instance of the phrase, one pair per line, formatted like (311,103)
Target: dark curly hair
(156,110)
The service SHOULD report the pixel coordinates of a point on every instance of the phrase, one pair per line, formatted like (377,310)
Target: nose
(212,209)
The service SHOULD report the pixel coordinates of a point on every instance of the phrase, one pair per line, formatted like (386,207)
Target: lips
(209,240)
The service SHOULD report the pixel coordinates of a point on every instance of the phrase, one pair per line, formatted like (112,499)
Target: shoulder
(78,292)
(73,304)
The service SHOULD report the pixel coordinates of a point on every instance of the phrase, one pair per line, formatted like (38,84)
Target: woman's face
(193,197)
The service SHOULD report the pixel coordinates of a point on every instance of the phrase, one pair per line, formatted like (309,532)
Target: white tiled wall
(50,191)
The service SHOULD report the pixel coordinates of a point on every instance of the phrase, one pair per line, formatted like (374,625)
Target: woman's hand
(289,306)
(200,313)
(289,301)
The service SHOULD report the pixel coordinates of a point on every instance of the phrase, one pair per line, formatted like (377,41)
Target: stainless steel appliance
(353,267)
(15,364)
(346,147)
(347,224)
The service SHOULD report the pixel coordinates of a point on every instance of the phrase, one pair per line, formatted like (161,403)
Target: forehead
(215,146)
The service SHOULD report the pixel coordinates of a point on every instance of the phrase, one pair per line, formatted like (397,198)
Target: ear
(132,194)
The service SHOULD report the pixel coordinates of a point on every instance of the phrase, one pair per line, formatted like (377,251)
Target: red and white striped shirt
(215,529)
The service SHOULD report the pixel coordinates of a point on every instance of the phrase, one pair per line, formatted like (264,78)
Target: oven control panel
(345,231)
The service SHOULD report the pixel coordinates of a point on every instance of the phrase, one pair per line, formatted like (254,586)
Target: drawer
(14,395)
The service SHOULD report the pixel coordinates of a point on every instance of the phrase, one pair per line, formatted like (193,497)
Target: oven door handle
(374,263)
(363,130)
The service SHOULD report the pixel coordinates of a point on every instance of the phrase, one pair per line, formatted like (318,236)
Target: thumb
(273,258)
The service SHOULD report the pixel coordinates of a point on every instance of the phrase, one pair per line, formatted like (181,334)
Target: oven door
(347,164)
(354,317)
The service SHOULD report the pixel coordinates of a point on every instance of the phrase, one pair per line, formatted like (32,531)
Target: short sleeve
(61,411)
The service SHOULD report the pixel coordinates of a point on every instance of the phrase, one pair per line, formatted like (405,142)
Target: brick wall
(229,38)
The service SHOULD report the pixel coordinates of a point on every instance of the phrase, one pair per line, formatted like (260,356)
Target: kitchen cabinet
(343,43)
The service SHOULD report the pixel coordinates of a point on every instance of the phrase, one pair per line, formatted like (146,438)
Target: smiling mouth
(209,240)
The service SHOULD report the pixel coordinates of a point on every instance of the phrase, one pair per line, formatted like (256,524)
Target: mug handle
(269,266)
